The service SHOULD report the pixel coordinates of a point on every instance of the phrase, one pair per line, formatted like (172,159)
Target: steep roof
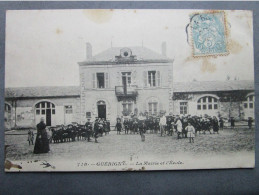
(204,86)
(33,92)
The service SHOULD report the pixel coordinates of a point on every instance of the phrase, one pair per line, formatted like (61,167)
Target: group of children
(162,124)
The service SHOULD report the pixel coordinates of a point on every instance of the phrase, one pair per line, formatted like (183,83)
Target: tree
(228,78)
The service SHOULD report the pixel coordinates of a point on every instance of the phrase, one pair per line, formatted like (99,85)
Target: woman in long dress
(42,142)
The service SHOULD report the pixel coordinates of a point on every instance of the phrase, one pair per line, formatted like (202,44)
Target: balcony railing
(126,91)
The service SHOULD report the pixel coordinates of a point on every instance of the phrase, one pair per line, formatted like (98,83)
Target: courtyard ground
(226,142)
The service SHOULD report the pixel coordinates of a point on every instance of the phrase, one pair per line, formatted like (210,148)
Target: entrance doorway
(48,117)
(45,110)
(101,107)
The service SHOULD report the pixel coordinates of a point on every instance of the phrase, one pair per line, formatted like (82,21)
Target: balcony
(126,91)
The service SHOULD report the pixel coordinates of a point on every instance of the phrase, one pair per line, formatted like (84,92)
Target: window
(88,114)
(7,108)
(183,107)
(126,78)
(100,80)
(127,106)
(152,78)
(152,108)
(69,109)
(207,103)
(41,107)
(249,103)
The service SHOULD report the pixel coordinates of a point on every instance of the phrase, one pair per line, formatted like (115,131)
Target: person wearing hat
(42,142)
(126,125)
(215,124)
(142,128)
(221,123)
(88,127)
(96,129)
(108,126)
(118,126)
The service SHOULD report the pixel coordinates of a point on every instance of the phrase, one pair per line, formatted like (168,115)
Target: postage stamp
(209,35)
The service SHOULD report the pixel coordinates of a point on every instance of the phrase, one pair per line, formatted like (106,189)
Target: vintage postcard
(129,90)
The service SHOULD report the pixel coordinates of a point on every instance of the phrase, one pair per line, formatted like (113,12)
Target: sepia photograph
(129,90)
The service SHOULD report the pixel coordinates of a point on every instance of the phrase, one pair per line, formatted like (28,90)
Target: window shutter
(145,78)
(158,78)
(106,80)
(94,80)
(160,106)
(144,107)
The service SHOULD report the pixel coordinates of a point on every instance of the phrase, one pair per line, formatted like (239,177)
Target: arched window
(249,103)
(41,107)
(207,103)
(7,108)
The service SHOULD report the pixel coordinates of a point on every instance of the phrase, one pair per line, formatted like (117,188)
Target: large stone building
(121,81)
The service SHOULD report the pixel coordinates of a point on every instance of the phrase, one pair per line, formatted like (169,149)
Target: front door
(101,111)
(48,117)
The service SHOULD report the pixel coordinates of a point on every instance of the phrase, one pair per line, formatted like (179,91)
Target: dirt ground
(226,142)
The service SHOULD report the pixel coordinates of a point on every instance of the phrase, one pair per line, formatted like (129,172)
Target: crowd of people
(184,126)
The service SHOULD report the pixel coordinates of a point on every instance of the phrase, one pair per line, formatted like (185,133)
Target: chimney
(164,48)
(88,51)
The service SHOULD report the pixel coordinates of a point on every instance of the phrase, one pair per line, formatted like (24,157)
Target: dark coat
(42,142)
(118,126)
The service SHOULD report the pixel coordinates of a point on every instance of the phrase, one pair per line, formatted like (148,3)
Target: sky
(44,46)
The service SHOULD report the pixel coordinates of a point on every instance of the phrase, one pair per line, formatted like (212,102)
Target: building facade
(215,98)
(24,107)
(122,81)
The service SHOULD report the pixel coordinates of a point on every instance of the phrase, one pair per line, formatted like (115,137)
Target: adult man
(126,125)
(88,127)
(142,128)
(162,124)
(221,123)
(215,124)
(96,130)
(108,126)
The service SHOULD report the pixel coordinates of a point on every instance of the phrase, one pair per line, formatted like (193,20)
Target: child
(30,137)
(118,126)
(142,128)
(190,132)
